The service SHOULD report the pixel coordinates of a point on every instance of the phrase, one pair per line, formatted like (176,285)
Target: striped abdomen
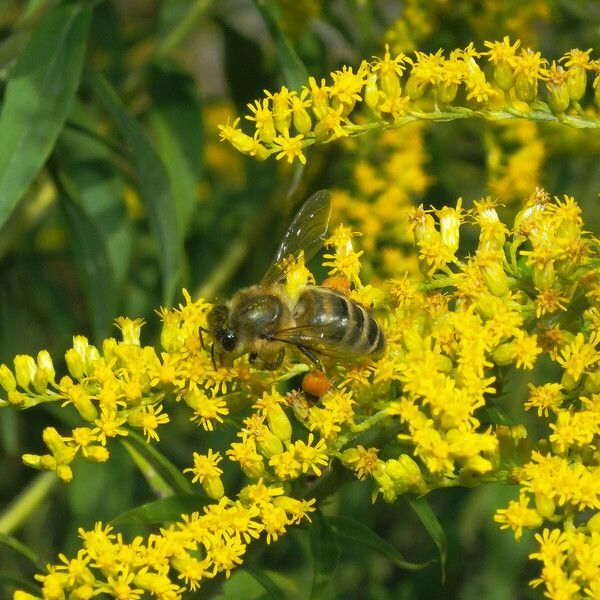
(344,328)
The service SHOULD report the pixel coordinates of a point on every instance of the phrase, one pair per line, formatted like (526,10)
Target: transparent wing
(305,233)
(318,339)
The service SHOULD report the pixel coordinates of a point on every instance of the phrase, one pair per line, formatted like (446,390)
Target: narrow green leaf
(93,265)
(432,525)
(38,99)
(293,68)
(156,481)
(175,119)
(163,466)
(325,551)
(89,162)
(164,510)
(267,582)
(154,186)
(20,548)
(20,584)
(355,532)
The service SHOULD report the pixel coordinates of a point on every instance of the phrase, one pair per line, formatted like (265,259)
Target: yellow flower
(205,466)
(544,397)
(290,148)
(517,516)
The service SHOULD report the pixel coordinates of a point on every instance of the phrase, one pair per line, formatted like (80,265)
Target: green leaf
(20,584)
(266,581)
(160,486)
(175,119)
(92,263)
(164,510)
(20,548)
(160,472)
(154,186)
(325,551)
(354,532)
(38,99)
(89,162)
(294,70)
(432,525)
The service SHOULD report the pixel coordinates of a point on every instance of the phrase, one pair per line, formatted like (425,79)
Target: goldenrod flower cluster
(397,89)
(530,289)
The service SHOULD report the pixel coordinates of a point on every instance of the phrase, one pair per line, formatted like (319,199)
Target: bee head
(220,328)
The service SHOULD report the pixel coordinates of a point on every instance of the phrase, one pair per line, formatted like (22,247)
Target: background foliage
(115,193)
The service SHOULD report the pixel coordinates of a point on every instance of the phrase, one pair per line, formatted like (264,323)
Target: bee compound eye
(228,341)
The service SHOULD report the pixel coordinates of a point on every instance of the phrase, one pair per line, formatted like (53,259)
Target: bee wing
(317,338)
(305,233)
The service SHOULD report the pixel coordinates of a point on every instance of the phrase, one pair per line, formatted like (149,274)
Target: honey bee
(263,320)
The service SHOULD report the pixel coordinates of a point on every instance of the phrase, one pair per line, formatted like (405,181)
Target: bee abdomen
(343,322)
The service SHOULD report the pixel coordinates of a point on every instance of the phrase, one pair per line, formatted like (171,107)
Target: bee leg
(275,364)
(200,330)
(212,356)
(311,356)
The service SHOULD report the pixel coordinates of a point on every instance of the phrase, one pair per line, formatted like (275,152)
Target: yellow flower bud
(65,473)
(254,469)
(477,464)
(266,132)
(504,76)
(25,369)
(16,398)
(446,92)
(130,329)
(385,483)
(558,96)
(97,453)
(44,362)
(83,403)
(21,595)
(269,444)
(525,88)
(593,523)
(495,278)
(53,439)
(568,382)
(371,93)
(33,460)
(109,346)
(449,219)
(415,88)
(350,457)
(83,592)
(504,354)
(597,91)
(390,83)
(592,382)
(279,423)
(576,82)
(543,275)
(282,113)
(213,487)
(75,364)
(7,379)
(302,120)
(545,505)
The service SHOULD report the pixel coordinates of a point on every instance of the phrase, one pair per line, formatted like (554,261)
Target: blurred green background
(115,192)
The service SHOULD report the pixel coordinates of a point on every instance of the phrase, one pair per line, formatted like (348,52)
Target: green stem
(26,502)
(365,425)
(186,25)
